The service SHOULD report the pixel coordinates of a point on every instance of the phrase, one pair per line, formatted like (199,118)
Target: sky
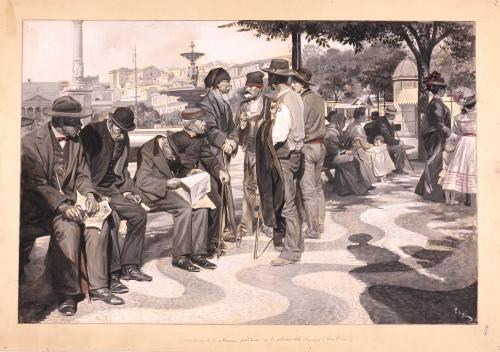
(107,45)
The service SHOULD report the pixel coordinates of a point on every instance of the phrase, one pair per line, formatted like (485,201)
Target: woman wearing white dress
(460,176)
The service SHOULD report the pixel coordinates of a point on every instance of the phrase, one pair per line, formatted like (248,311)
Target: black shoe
(212,250)
(115,285)
(202,262)
(132,272)
(105,295)
(185,263)
(400,172)
(67,306)
(371,188)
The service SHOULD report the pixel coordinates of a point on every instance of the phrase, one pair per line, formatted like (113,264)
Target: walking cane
(221,223)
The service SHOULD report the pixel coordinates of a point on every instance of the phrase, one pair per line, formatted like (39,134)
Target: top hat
(279,67)
(66,106)
(303,74)
(123,118)
(374,115)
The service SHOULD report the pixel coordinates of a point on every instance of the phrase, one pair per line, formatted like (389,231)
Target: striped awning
(408,96)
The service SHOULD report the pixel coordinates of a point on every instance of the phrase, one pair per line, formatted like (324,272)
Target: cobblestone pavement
(387,257)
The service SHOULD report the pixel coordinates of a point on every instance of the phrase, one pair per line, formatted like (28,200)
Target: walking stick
(221,223)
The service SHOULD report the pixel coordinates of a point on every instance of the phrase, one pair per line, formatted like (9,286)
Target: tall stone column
(77,78)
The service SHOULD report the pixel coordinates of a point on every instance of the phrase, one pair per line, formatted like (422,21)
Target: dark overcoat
(98,146)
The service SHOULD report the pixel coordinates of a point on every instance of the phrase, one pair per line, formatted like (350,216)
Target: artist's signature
(463,316)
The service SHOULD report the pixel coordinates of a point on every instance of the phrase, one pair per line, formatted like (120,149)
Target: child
(381,160)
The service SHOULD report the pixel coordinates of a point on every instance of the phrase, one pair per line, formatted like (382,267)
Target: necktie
(60,139)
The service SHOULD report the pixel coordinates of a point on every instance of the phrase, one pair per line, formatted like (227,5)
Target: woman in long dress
(460,176)
(434,138)
(347,179)
(355,140)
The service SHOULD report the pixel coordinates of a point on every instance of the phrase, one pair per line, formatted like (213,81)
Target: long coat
(40,196)
(153,170)
(434,138)
(98,146)
(219,121)
(268,170)
(220,125)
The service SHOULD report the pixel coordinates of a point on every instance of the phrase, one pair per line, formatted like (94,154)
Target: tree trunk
(296,50)
(423,65)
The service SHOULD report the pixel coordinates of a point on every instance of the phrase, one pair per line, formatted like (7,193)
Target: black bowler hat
(123,118)
(66,106)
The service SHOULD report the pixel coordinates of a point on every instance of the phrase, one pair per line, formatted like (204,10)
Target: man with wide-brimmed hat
(287,136)
(107,148)
(221,133)
(313,151)
(384,126)
(53,170)
(161,163)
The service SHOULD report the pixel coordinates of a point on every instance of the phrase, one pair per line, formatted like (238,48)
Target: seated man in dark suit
(161,162)
(107,148)
(384,127)
(53,171)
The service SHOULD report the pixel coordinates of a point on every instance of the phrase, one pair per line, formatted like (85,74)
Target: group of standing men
(280,127)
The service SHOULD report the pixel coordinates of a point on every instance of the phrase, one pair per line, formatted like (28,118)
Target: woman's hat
(66,106)
(303,74)
(215,76)
(123,118)
(464,96)
(434,79)
(279,67)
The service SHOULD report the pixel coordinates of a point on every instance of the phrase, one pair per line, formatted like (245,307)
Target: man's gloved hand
(133,198)
(229,146)
(174,183)
(194,172)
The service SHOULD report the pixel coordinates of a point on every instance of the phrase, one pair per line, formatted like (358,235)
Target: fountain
(189,94)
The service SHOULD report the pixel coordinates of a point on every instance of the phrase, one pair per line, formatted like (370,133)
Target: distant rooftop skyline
(108,45)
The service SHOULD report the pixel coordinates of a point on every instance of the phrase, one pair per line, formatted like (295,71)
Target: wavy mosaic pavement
(382,257)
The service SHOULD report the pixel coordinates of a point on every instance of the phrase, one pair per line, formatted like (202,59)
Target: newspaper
(195,189)
(96,220)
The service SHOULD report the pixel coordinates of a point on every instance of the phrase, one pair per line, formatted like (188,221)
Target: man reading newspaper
(163,164)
